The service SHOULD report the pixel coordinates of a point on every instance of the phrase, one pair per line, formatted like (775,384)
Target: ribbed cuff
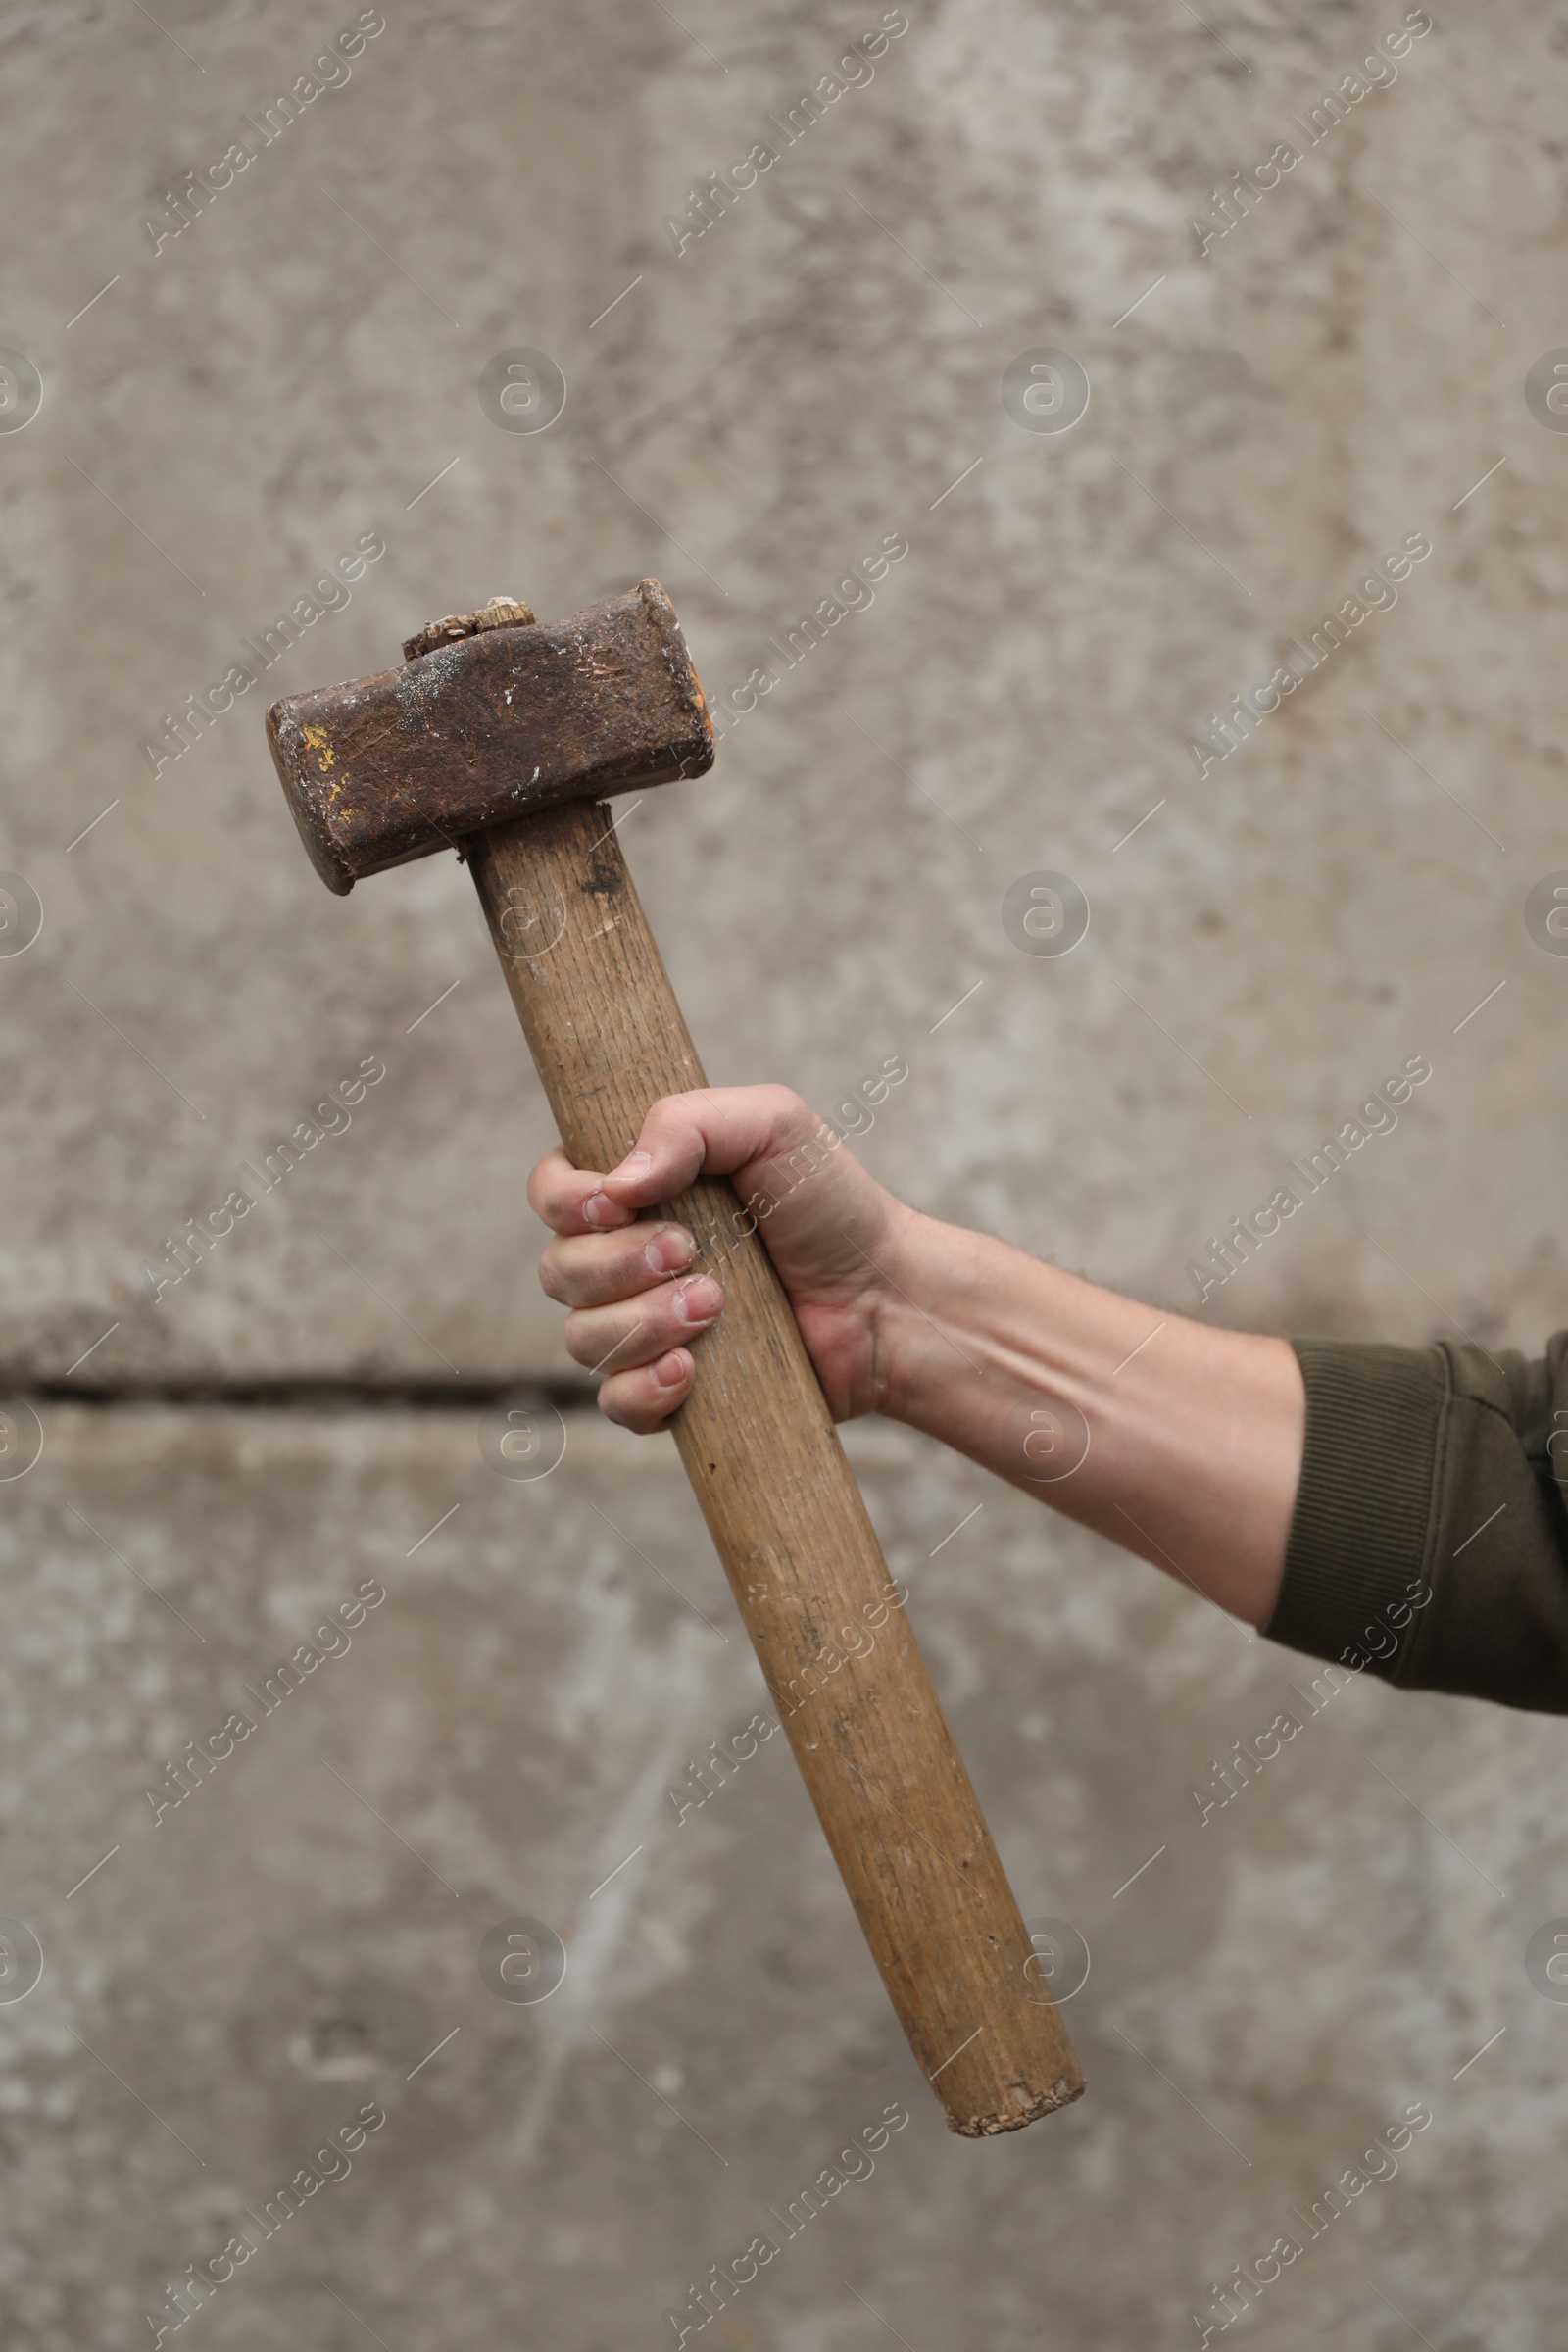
(1359,1535)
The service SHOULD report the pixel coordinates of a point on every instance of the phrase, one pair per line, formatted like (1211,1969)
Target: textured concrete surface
(794,387)
(502,1735)
(237,414)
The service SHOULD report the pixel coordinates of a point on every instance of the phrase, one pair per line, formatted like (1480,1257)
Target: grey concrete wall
(226,412)
(296,1937)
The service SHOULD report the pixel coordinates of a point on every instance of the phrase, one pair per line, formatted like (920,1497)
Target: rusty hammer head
(494,715)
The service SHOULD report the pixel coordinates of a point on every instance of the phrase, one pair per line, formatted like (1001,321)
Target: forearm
(1181,1442)
(1393,1509)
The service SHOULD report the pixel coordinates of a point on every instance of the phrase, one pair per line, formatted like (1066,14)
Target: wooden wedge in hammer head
(500,738)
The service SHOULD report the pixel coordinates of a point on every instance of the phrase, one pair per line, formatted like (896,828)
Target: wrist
(970,1329)
(918,1274)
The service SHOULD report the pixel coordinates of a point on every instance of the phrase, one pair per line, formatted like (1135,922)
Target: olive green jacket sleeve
(1430,1541)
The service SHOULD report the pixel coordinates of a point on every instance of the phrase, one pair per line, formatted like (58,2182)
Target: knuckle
(558,1209)
(583,1342)
(625,1410)
(605,1279)
(545,1182)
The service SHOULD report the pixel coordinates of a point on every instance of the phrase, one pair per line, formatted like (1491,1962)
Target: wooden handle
(790,1523)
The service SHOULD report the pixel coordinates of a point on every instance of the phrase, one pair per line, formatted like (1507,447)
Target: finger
(712,1131)
(571,1200)
(592,1268)
(637,1331)
(643,1400)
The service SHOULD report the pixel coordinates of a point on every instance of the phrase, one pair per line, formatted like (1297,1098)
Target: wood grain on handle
(782,1506)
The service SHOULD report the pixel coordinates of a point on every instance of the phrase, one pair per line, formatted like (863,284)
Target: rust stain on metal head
(494,716)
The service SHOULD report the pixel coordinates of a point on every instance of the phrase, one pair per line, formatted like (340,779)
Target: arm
(1180,1443)
(1194,1435)
(1396,1509)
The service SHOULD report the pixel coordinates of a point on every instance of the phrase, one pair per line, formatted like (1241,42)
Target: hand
(637,1309)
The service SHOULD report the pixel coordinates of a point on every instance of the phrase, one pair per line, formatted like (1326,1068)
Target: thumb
(712,1131)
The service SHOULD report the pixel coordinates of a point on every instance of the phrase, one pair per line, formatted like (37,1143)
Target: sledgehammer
(501,737)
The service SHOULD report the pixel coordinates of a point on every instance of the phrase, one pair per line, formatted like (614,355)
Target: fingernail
(600,1209)
(635,1164)
(668,1250)
(670,1370)
(699,1300)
